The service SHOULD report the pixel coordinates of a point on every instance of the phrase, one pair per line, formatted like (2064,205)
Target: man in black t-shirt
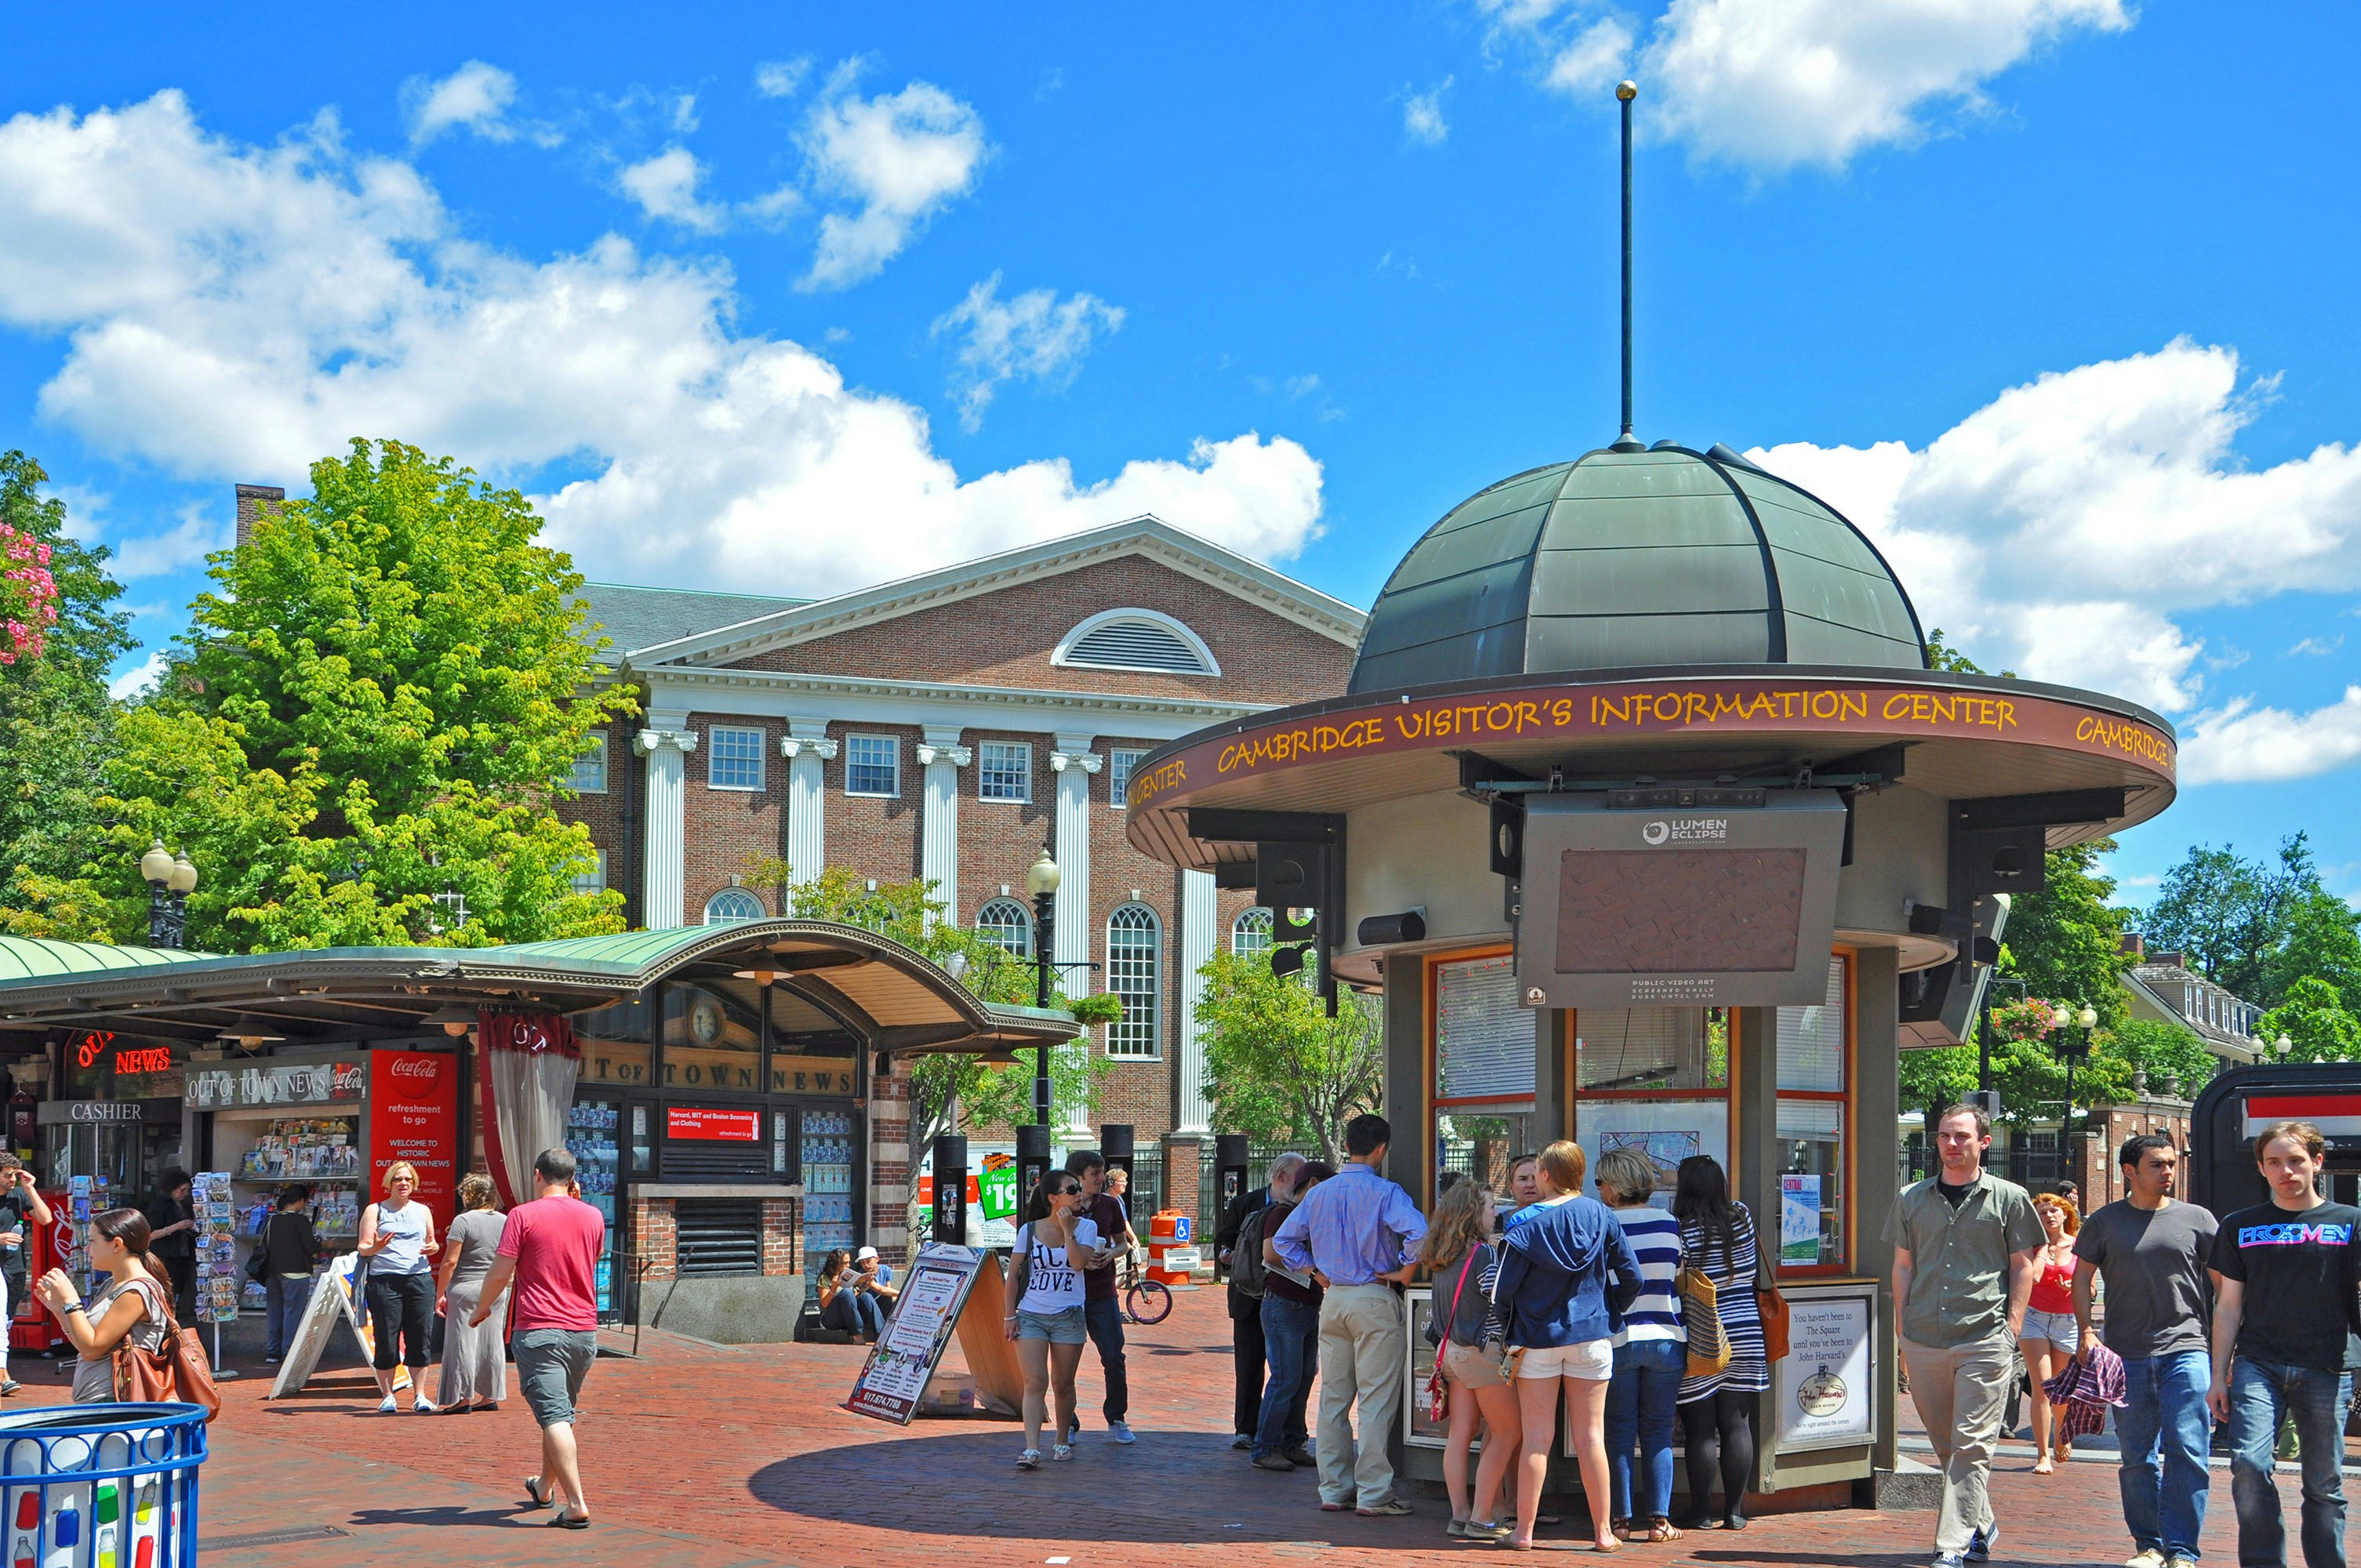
(2287,1297)
(21,1209)
(1102,1313)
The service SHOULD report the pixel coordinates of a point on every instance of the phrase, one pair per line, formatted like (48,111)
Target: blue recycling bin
(101,1485)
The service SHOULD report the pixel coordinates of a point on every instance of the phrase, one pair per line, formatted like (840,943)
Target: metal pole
(1625,92)
(1044,933)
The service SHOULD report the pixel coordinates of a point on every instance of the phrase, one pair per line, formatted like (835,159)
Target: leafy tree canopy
(1276,1065)
(2066,941)
(2257,928)
(2316,1022)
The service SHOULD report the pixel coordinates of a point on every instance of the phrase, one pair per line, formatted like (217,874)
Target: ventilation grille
(717,1236)
(691,1160)
(1136,645)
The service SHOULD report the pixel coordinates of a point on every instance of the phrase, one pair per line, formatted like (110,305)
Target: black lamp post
(171,878)
(1041,881)
(2074,1047)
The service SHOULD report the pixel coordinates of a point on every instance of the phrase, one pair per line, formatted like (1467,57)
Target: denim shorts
(2059,1329)
(1065,1327)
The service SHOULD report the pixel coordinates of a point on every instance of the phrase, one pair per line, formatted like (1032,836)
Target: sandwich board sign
(332,1302)
(892,1381)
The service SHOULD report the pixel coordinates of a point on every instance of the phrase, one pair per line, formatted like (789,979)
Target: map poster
(1824,1385)
(893,1379)
(1799,1218)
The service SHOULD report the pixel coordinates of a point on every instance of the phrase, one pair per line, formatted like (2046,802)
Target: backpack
(1246,1266)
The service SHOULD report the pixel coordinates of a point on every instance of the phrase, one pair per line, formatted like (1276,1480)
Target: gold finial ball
(1627,91)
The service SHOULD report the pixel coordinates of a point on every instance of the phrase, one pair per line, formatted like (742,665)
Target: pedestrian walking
(1247,1356)
(2150,1250)
(474,1360)
(1462,1266)
(398,1238)
(1651,1354)
(1353,1233)
(1047,1307)
(134,1303)
(1717,1408)
(1566,1276)
(291,1258)
(1966,1248)
(2286,1296)
(1100,1309)
(549,1252)
(2050,1335)
(1291,1337)
(21,1208)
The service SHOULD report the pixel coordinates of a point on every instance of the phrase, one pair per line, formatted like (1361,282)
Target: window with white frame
(733,758)
(733,903)
(1004,770)
(595,879)
(1250,933)
(589,775)
(1119,766)
(1006,923)
(872,765)
(1135,962)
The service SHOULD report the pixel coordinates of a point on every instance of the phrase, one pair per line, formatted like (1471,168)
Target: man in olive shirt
(1967,1248)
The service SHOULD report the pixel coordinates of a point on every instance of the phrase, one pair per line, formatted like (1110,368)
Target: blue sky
(2053,297)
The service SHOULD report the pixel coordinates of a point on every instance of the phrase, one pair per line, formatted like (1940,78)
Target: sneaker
(1392,1508)
(424,1408)
(1300,1457)
(2177,1560)
(1278,1462)
(1947,1560)
(1242,1444)
(1328,1508)
(1476,1530)
(386,1406)
(1121,1431)
(1029,1460)
(8,1386)
(2145,1557)
(1980,1544)
(270,1360)
(1063,1451)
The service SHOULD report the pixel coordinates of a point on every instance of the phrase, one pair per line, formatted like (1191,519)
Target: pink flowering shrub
(28,596)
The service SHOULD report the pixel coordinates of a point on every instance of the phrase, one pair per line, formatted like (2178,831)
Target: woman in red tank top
(2051,1336)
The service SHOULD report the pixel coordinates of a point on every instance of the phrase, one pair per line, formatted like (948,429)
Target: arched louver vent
(1134,642)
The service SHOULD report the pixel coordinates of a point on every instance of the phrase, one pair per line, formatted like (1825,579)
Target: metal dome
(1624,560)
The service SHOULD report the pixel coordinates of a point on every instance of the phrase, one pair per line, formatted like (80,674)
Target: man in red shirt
(550,1249)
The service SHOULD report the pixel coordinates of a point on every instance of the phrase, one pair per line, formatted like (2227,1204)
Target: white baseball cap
(864,1254)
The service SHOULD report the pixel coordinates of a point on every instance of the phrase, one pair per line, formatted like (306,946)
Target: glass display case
(830,1220)
(592,1125)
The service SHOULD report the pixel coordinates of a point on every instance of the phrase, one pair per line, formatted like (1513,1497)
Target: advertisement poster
(893,1379)
(413,1115)
(996,1198)
(713,1126)
(1799,1219)
(1823,1385)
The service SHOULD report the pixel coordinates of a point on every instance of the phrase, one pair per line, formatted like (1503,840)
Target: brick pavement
(702,1456)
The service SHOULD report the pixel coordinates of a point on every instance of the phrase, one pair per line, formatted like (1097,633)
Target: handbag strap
(1460,1290)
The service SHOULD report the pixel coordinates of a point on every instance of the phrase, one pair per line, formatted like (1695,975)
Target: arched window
(1008,923)
(1134,963)
(1250,933)
(733,903)
(1137,640)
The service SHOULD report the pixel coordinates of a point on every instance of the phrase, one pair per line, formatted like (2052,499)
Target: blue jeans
(1639,1412)
(2262,1394)
(854,1312)
(2163,1428)
(286,1296)
(1104,1317)
(1291,1339)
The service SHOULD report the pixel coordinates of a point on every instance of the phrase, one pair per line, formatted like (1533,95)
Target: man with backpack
(1246,1269)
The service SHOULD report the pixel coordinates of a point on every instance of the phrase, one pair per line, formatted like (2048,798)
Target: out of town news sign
(1875,712)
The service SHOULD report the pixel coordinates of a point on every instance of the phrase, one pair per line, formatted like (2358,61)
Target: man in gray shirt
(2150,1251)
(1967,1248)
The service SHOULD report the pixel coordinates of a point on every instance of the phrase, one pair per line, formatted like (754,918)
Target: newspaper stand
(87,1485)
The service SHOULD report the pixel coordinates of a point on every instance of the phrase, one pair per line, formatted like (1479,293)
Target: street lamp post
(1041,881)
(2074,1048)
(171,878)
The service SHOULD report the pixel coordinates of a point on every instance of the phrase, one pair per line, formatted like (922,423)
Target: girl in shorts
(1462,1266)
(1054,1246)
(2050,1336)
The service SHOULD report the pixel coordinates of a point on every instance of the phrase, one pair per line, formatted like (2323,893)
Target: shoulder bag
(1701,1318)
(1772,1306)
(175,1372)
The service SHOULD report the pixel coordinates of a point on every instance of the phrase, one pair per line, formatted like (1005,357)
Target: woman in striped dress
(1650,1353)
(1718,1409)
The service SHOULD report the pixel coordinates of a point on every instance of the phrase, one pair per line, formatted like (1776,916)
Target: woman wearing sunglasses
(1054,1246)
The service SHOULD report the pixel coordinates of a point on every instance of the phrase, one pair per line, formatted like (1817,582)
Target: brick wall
(614,826)
(657,1238)
(873,834)
(889,1164)
(781,1225)
(728,829)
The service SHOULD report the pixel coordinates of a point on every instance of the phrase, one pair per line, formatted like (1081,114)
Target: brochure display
(893,1382)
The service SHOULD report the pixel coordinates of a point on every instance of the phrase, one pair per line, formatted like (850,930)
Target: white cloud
(901,155)
(2063,529)
(665,187)
(782,78)
(1423,114)
(2240,741)
(475,97)
(1034,337)
(1303,386)
(1593,61)
(2318,647)
(229,311)
(201,531)
(139,678)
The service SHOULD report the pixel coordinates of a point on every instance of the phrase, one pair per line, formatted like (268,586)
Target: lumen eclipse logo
(1656,832)
(1685,830)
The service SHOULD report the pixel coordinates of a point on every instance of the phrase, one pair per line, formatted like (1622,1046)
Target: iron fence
(1259,1159)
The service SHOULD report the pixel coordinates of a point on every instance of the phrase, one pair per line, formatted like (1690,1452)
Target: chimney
(2170,960)
(253,500)
(2135,947)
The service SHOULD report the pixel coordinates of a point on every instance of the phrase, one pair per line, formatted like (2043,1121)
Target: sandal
(1663,1530)
(532,1490)
(1029,1460)
(566,1519)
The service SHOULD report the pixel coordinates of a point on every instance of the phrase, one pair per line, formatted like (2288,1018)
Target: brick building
(948,726)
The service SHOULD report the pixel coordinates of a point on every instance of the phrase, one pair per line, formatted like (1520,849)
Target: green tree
(1276,1064)
(2229,918)
(2066,940)
(56,720)
(2164,1050)
(2313,1016)
(2324,941)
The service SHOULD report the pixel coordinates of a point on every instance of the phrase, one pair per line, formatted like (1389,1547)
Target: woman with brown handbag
(131,1305)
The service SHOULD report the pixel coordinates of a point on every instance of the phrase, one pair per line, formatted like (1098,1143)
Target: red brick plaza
(700,1456)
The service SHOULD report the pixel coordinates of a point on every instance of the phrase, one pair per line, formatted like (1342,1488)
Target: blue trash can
(101,1485)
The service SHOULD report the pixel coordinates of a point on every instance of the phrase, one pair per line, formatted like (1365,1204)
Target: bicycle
(1145,1301)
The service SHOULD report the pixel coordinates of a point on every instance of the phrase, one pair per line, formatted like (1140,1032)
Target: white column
(665,863)
(941,755)
(1197,908)
(1073,764)
(806,746)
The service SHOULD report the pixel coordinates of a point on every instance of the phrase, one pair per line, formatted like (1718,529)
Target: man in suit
(1245,1311)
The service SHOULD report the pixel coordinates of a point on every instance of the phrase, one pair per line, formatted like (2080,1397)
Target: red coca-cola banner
(722,1126)
(413,1115)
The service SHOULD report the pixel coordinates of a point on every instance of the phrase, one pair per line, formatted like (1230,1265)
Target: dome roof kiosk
(1644,823)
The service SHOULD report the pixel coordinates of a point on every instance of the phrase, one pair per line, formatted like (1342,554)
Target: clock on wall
(705,1021)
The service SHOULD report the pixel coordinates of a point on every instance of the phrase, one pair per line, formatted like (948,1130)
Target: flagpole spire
(1627,441)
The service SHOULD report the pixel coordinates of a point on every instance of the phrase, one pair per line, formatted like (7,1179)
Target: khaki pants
(1961,1393)
(1364,1351)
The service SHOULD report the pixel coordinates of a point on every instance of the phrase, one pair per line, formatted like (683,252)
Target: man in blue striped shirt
(1358,1233)
(1650,1350)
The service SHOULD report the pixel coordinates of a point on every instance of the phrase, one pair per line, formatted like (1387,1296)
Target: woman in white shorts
(1566,1277)
(2050,1336)
(1054,1246)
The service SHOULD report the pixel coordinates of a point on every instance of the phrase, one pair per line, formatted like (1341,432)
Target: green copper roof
(1626,560)
(38,958)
